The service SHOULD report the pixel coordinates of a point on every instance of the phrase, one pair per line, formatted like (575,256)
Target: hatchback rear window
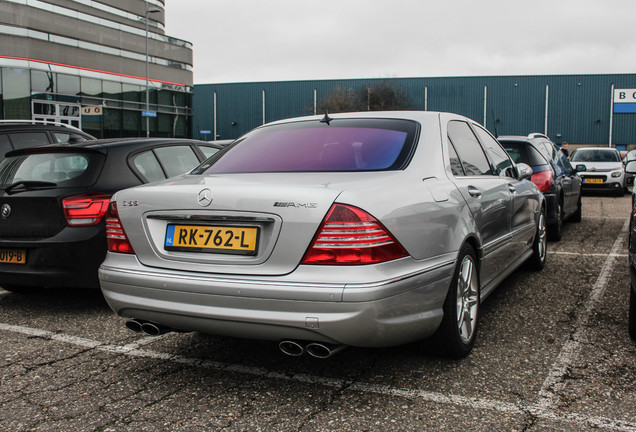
(63,168)
(312,146)
(522,152)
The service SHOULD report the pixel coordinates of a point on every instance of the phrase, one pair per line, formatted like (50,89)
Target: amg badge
(295,204)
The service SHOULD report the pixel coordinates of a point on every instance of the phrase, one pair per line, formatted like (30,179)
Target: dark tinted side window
(498,156)
(522,152)
(63,137)
(5,145)
(22,140)
(455,163)
(468,148)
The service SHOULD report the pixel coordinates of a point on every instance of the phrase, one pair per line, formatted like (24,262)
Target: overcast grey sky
(275,40)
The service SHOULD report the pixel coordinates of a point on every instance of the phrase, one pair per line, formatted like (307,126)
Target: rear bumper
(397,310)
(69,259)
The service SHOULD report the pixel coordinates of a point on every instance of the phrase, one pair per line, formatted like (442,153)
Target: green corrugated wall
(578,106)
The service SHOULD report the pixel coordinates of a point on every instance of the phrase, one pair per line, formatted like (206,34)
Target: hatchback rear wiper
(22,186)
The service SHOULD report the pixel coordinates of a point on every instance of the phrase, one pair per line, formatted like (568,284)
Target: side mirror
(524,171)
(581,167)
(630,167)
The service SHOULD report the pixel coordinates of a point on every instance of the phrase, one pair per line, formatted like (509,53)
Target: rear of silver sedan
(333,231)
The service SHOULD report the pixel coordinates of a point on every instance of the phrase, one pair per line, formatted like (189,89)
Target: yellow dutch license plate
(13,256)
(208,238)
(589,180)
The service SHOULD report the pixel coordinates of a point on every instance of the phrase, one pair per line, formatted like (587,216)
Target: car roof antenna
(326,118)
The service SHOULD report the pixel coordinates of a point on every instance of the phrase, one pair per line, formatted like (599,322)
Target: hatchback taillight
(85,210)
(350,236)
(115,235)
(543,180)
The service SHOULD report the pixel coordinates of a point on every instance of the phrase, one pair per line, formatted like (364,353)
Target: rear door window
(208,150)
(470,152)
(177,159)
(498,156)
(163,162)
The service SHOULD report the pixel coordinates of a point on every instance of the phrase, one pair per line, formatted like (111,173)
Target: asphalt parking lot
(552,354)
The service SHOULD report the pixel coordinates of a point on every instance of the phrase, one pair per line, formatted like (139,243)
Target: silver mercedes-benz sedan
(362,229)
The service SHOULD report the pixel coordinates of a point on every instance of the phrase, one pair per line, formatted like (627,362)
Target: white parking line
(544,407)
(583,254)
(554,382)
(540,410)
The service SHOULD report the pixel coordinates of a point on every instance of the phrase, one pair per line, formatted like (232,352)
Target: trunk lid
(286,210)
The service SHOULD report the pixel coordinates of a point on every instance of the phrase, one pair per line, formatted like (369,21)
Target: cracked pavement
(553,353)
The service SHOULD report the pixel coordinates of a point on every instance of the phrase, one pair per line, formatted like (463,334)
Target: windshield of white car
(590,155)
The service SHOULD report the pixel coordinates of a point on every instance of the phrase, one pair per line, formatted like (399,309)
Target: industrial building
(91,64)
(579,109)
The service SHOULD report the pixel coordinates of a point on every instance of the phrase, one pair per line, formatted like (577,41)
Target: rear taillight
(350,236)
(115,234)
(85,210)
(543,180)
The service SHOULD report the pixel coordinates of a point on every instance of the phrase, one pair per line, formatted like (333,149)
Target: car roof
(123,142)
(14,126)
(533,137)
(111,143)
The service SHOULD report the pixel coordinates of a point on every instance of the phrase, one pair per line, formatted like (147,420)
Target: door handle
(512,188)
(474,192)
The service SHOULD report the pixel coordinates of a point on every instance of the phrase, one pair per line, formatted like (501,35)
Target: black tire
(578,214)
(632,314)
(457,332)
(555,230)
(539,245)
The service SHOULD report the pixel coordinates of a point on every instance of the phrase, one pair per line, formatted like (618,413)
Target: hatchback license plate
(13,256)
(591,180)
(207,238)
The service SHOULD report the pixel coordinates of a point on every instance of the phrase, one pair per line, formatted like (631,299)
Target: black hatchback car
(53,200)
(553,175)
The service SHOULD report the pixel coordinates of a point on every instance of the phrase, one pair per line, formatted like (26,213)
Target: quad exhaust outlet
(315,349)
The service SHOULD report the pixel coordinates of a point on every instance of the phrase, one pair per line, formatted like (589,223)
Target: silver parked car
(362,229)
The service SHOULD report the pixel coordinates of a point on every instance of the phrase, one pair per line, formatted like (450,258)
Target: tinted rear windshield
(310,146)
(62,168)
(521,152)
(587,155)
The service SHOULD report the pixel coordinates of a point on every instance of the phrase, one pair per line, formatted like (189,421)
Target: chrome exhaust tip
(291,348)
(323,350)
(134,325)
(152,329)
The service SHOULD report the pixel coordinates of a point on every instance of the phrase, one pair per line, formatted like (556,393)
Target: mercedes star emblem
(205,197)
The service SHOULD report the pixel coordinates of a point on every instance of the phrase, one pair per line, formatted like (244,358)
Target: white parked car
(600,168)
